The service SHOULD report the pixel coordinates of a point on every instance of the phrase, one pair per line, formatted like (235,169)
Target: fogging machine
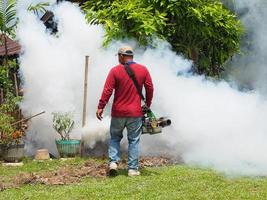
(151,124)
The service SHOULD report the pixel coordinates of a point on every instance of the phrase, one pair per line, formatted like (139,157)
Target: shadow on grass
(144,172)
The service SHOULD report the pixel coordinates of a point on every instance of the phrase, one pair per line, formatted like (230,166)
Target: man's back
(126,109)
(127,102)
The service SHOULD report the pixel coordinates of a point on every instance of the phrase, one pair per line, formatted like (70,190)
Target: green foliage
(203,30)
(6,129)
(229,4)
(8,133)
(5,81)
(39,7)
(63,124)
(8,22)
(10,103)
(8,18)
(125,19)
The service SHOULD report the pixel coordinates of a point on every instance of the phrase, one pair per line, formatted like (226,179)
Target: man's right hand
(145,109)
(99,113)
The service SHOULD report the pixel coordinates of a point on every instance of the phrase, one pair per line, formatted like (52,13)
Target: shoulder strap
(132,76)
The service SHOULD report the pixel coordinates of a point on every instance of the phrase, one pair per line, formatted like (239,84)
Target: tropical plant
(39,7)
(203,30)
(63,123)
(8,21)
(9,134)
(8,18)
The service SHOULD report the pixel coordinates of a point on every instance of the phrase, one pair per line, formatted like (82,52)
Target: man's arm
(106,94)
(149,89)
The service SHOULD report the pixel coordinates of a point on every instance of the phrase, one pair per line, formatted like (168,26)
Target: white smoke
(53,69)
(249,70)
(213,125)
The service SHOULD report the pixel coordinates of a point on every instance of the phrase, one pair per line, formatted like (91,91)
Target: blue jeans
(134,131)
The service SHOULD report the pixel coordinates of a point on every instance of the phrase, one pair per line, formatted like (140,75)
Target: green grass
(38,166)
(172,182)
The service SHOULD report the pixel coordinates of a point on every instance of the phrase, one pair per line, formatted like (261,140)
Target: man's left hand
(99,113)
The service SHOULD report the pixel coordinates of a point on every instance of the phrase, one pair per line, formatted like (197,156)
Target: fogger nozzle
(164,122)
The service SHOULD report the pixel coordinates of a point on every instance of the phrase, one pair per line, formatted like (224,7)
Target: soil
(73,174)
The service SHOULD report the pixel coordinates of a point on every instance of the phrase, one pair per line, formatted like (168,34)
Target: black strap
(132,76)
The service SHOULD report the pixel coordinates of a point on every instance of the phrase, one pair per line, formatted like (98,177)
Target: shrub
(63,123)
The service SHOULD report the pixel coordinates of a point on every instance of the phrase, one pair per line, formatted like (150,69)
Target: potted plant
(12,145)
(11,136)
(63,123)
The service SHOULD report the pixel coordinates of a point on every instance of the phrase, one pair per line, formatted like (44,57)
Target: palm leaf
(7,16)
(39,7)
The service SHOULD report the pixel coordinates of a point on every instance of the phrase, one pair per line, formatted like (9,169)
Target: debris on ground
(73,174)
(149,161)
(154,161)
(64,175)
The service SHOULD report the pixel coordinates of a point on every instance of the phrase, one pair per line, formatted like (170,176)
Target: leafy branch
(63,124)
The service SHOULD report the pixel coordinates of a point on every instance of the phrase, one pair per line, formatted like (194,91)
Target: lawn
(168,182)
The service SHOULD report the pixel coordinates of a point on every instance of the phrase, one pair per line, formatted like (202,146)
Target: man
(126,108)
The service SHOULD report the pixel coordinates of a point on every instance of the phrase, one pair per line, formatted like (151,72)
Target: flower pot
(68,148)
(13,152)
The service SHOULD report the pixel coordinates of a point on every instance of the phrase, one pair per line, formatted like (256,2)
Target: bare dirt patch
(73,174)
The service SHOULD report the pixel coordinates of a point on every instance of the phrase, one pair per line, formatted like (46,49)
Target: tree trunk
(194,55)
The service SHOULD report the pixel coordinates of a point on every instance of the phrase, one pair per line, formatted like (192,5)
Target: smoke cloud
(53,70)
(249,70)
(213,125)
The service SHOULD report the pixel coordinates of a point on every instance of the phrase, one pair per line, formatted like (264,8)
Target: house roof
(13,47)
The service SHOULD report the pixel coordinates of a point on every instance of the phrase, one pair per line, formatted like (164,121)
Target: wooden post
(16,84)
(85,91)
(84,101)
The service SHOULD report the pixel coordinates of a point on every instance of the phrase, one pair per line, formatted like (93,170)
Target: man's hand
(99,113)
(145,109)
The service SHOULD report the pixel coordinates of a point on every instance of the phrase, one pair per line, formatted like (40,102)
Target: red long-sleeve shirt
(127,101)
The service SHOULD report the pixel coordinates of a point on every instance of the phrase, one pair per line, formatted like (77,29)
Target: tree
(125,19)
(203,30)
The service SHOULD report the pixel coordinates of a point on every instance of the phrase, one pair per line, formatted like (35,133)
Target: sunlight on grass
(170,182)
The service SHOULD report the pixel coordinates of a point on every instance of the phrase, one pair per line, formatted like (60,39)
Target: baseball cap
(126,50)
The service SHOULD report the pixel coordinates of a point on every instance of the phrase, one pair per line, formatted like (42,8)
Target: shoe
(133,172)
(113,169)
